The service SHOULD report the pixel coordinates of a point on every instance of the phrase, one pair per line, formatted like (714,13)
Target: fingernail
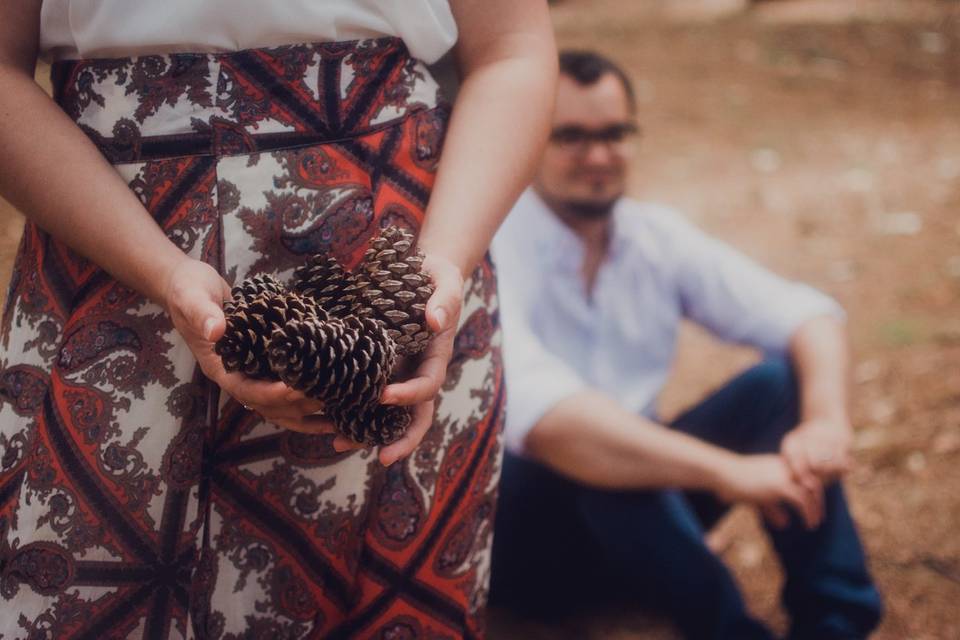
(208,328)
(441,316)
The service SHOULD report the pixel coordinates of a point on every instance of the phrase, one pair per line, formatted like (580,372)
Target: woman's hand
(420,390)
(193,294)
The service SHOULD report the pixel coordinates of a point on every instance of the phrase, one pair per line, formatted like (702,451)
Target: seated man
(598,499)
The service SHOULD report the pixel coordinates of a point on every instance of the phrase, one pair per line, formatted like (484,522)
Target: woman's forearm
(56,177)
(499,125)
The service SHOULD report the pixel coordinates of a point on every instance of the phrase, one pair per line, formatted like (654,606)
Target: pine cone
(396,289)
(344,362)
(324,279)
(252,287)
(250,323)
(377,425)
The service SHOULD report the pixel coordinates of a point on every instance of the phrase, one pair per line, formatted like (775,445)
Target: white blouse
(71,29)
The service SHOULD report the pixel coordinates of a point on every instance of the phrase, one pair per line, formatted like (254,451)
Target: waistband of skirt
(238,102)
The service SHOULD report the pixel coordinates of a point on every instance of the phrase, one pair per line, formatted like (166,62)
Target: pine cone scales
(251,288)
(342,362)
(243,346)
(337,291)
(396,289)
(255,286)
(337,335)
(377,425)
(346,363)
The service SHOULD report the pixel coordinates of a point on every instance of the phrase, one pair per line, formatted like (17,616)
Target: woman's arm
(56,177)
(500,122)
(51,171)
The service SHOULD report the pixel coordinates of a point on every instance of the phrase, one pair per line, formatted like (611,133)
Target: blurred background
(821,137)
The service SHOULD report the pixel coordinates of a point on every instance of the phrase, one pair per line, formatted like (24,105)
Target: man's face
(584,166)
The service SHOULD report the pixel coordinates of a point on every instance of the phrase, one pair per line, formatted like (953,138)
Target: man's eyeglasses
(579,138)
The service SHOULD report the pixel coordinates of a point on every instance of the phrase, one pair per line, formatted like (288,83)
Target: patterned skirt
(136,499)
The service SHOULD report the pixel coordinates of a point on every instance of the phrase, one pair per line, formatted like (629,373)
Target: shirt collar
(560,244)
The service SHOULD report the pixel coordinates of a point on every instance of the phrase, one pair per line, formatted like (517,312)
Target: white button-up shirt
(621,339)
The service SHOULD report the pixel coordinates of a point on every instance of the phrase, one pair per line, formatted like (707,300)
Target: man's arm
(592,439)
(740,301)
(820,445)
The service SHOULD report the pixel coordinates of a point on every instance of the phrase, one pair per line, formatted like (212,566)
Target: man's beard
(590,209)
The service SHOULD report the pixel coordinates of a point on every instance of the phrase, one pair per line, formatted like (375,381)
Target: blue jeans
(559,544)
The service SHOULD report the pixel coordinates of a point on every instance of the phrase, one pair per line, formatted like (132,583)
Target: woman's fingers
(429,376)
(212,323)
(195,291)
(343,443)
(308,407)
(420,423)
(261,393)
(443,316)
(193,296)
(286,412)
(443,307)
(293,395)
(306,424)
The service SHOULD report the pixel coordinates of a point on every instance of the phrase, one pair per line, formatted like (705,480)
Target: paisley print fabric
(136,500)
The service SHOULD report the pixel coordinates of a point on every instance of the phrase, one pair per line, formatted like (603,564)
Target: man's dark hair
(587,67)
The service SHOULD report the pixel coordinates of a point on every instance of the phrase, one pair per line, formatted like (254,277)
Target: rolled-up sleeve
(736,298)
(536,379)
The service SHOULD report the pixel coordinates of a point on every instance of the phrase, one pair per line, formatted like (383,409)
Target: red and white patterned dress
(136,500)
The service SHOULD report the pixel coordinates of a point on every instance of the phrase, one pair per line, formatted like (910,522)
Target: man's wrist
(721,471)
(834,415)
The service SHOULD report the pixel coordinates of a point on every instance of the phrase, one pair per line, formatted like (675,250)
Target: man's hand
(193,295)
(443,317)
(764,480)
(818,449)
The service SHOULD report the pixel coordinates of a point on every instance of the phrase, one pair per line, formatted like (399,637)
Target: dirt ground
(822,138)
